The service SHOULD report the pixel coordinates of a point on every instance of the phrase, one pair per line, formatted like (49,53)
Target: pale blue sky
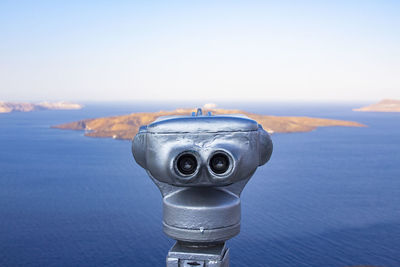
(199,50)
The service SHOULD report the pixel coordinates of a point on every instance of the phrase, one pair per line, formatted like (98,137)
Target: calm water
(330,197)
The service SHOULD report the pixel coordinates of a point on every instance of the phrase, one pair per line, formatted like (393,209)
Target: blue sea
(330,197)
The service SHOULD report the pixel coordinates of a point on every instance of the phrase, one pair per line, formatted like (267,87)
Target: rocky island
(126,126)
(6,107)
(386,105)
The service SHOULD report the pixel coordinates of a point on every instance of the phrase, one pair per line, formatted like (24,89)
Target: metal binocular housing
(201,164)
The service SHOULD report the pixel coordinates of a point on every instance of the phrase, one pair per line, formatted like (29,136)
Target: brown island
(126,126)
(386,105)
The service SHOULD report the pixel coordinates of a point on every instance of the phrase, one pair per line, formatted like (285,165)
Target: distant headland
(126,126)
(386,105)
(6,107)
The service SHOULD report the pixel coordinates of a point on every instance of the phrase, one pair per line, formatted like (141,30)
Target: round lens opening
(219,163)
(187,164)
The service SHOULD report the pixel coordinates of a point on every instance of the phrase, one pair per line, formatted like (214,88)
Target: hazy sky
(208,50)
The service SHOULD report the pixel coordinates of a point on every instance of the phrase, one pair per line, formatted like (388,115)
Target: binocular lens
(187,164)
(219,163)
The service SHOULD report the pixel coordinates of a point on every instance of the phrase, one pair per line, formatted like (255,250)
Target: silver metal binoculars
(201,164)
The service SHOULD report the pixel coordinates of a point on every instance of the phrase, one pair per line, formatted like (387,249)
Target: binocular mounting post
(198,255)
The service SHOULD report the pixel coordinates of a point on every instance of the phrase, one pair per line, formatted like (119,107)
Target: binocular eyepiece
(219,164)
(186,164)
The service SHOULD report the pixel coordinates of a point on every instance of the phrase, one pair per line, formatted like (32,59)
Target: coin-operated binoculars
(201,165)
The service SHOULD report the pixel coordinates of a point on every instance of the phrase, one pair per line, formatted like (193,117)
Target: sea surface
(330,197)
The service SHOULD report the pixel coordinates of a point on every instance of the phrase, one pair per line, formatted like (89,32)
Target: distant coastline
(386,105)
(7,107)
(126,126)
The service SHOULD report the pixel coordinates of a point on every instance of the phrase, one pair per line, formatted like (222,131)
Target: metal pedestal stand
(198,255)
